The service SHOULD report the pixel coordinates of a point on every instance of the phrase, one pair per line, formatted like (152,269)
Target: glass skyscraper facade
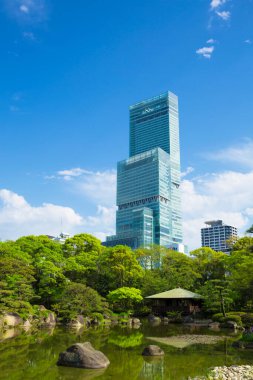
(148,182)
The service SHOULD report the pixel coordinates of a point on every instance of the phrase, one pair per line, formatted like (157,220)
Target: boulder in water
(152,350)
(83,355)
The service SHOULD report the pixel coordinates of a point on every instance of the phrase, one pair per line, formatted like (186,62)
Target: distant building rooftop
(213,223)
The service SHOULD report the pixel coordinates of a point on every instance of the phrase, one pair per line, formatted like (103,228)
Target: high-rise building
(148,182)
(217,234)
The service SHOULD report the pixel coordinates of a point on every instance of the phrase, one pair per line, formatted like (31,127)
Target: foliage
(247,337)
(78,299)
(124,298)
(118,267)
(126,341)
(210,264)
(247,319)
(75,275)
(229,317)
(217,296)
(179,271)
(174,316)
(250,230)
(16,290)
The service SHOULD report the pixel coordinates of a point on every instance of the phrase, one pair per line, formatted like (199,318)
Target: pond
(33,355)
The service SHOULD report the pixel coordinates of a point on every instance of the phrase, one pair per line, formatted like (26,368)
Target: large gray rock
(136,321)
(83,355)
(152,350)
(154,320)
(12,320)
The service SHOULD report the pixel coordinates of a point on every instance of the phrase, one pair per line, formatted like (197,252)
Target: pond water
(33,355)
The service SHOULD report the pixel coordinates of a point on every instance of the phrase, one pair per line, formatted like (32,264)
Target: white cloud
(217,3)
(69,174)
(29,11)
(241,154)
(227,196)
(210,41)
(205,51)
(248,41)
(98,187)
(188,170)
(225,15)
(24,8)
(19,218)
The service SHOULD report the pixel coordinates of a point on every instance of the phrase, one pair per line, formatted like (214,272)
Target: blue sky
(69,73)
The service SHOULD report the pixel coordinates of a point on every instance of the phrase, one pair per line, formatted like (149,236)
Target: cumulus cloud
(205,51)
(19,218)
(225,15)
(99,187)
(227,196)
(217,3)
(211,41)
(188,170)
(241,154)
(69,174)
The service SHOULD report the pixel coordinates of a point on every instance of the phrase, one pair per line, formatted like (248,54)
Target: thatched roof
(175,294)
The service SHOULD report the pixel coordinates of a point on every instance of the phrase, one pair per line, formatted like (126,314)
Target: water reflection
(33,355)
(153,368)
(79,374)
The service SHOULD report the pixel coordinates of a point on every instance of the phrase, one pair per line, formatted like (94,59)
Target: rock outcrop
(152,350)
(83,355)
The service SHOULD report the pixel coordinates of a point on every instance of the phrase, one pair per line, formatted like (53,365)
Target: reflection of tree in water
(125,341)
(153,368)
(79,373)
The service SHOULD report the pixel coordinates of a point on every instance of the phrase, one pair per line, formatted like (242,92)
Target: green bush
(247,319)
(230,317)
(174,316)
(247,337)
(98,316)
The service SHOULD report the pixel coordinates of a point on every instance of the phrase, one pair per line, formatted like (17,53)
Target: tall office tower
(148,183)
(216,235)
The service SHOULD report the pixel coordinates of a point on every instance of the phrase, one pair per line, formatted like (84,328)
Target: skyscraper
(148,182)
(216,235)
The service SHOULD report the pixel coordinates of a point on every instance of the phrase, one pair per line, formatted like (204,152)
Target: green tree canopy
(124,299)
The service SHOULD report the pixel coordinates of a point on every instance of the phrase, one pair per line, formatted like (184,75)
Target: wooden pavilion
(176,300)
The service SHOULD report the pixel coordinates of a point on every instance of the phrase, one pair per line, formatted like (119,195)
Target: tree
(179,270)
(218,296)
(240,268)
(49,262)
(211,265)
(78,299)
(82,243)
(124,299)
(118,267)
(250,230)
(151,258)
(82,252)
(16,286)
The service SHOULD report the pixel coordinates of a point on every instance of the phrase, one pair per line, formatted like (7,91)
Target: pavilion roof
(175,294)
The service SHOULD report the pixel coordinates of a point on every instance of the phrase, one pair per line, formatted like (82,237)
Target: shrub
(247,319)
(230,317)
(174,316)
(97,316)
(247,337)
